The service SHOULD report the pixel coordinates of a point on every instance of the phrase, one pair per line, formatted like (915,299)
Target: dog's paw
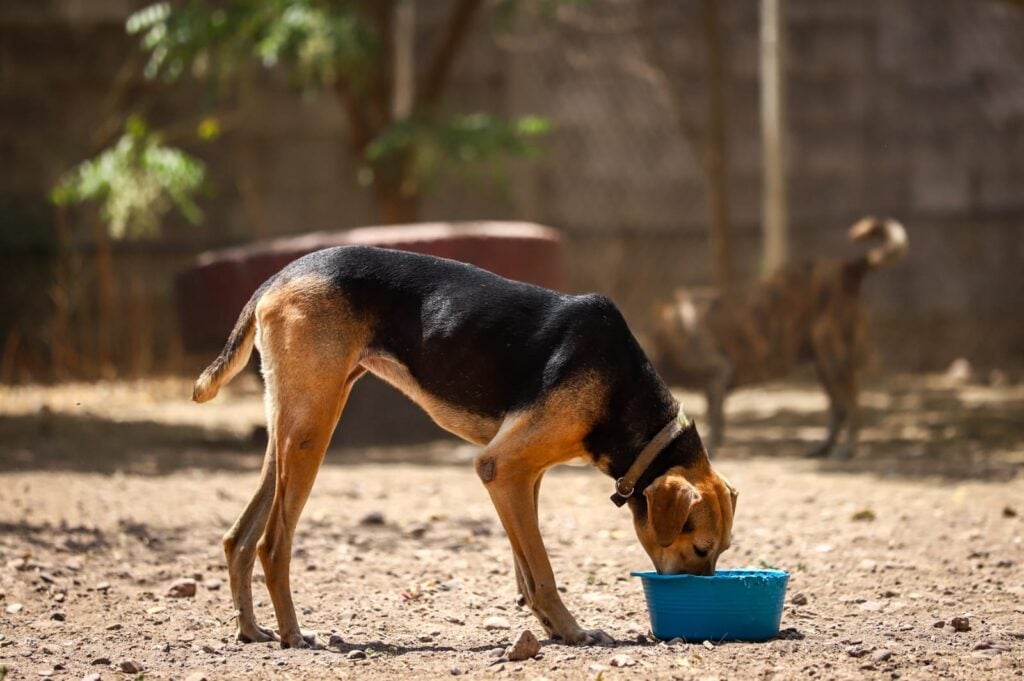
(255,634)
(306,639)
(589,637)
(820,450)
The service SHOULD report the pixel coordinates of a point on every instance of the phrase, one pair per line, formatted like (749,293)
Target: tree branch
(440,65)
(658,74)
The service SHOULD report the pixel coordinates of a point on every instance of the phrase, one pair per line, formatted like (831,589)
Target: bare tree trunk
(773,130)
(715,151)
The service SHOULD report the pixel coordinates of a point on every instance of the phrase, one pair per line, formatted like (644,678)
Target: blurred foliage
(322,44)
(137,181)
(317,40)
(335,46)
(460,140)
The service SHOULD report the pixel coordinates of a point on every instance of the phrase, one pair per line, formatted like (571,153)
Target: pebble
(114,627)
(14,608)
(196,676)
(622,661)
(336,640)
(857,651)
(93,677)
(456,671)
(524,647)
(372,518)
(709,645)
(799,598)
(938,624)
(59,616)
(131,667)
(495,622)
(212,584)
(356,655)
(496,652)
(881,655)
(960,624)
(101,660)
(182,588)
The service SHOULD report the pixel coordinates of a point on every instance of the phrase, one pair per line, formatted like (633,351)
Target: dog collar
(626,485)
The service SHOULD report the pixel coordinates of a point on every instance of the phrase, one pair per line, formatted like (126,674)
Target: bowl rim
(726,574)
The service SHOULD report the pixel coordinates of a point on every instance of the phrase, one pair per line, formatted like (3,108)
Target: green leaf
(136,182)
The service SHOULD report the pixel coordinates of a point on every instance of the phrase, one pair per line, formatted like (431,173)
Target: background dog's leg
(715,394)
(240,550)
(846,390)
(836,415)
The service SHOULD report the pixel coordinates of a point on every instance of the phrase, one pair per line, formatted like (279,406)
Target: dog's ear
(670,499)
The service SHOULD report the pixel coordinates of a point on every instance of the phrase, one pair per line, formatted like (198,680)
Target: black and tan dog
(536,377)
(807,311)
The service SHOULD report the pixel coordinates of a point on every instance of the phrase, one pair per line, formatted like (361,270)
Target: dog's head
(684,521)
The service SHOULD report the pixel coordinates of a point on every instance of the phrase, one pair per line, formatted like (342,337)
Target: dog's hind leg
(310,346)
(240,551)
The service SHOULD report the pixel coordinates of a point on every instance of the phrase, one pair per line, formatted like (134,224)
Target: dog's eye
(702,553)
(687,526)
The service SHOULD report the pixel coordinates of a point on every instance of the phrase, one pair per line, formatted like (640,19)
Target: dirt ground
(110,493)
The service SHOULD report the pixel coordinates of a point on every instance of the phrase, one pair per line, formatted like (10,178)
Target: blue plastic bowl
(733,605)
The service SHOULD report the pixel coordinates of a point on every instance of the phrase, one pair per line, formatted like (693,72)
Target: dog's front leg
(511,481)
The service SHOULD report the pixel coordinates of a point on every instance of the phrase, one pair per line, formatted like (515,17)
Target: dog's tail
(893,246)
(235,354)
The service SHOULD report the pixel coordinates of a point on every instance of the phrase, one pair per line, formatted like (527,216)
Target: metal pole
(773,132)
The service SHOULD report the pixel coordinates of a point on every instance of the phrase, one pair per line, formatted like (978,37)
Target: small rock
(182,588)
(101,660)
(495,622)
(356,655)
(103,587)
(196,676)
(212,584)
(417,531)
(938,624)
(131,667)
(857,651)
(114,627)
(1009,512)
(425,638)
(335,640)
(799,598)
(455,620)
(15,608)
(496,652)
(709,645)
(960,624)
(677,641)
(881,655)
(92,677)
(872,606)
(372,518)
(59,616)
(622,661)
(790,634)
(455,672)
(208,649)
(863,515)
(524,647)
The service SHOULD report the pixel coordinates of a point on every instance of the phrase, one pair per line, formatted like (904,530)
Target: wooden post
(773,131)
(715,152)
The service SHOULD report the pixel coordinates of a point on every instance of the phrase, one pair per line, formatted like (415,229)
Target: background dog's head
(684,519)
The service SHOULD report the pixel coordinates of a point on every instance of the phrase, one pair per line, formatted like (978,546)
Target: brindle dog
(807,311)
(536,377)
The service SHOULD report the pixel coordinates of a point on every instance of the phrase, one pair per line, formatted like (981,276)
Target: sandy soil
(110,493)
